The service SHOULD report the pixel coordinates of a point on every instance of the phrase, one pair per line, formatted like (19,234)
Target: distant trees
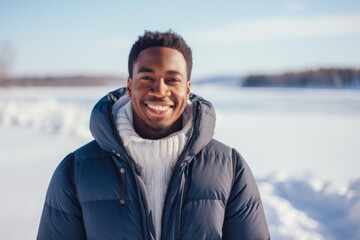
(7,54)
(323,77)
(66,81)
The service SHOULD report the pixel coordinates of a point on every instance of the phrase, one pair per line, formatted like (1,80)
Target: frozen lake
(298,142)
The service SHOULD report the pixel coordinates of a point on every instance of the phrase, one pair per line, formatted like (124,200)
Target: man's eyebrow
(173,72)
(149,70)
(144,69)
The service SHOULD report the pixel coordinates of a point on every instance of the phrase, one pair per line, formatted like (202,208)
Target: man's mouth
(158,107)
(158,110)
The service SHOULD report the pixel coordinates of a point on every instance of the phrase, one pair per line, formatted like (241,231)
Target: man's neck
(148,132)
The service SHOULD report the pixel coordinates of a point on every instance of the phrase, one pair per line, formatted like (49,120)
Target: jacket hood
(103,128)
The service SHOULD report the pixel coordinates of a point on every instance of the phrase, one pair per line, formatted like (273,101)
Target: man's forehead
(153,57)
(156,52)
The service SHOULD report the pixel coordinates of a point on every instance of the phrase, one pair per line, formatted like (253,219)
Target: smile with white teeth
(159,107)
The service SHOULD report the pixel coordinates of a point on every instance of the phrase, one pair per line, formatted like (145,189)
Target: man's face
(159,89)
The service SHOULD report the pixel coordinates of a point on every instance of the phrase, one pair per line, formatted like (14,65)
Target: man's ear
(188,89)
(128,86)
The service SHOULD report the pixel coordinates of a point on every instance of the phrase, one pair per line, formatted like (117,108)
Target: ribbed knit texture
(156,157)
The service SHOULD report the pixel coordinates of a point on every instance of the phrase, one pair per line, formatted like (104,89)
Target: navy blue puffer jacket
(97,192)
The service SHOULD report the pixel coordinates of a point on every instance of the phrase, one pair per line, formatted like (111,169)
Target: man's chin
(163,128)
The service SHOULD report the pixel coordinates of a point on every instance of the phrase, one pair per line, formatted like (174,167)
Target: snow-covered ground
(301,144)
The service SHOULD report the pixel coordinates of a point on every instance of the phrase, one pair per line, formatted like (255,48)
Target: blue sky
(227,37)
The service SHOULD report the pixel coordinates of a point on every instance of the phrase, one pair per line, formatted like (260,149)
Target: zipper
(180,162)
(143,211)
(180,195)
(141,200)
(184,176)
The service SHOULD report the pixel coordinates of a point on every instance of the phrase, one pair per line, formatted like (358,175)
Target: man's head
(159,83)
(167,39)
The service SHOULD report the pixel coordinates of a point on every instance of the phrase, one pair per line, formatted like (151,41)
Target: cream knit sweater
(156,157)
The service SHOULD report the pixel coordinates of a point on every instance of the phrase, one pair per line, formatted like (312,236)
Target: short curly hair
(168,39)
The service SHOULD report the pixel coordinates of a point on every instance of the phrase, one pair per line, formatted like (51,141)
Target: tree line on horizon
(73,81)
(319,78)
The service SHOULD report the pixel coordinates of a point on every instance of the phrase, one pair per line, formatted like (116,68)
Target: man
(154,171)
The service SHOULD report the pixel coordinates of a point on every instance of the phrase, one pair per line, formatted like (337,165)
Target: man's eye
(173,80)
(146,78)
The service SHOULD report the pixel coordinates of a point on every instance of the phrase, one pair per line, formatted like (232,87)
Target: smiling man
(153,170)
(159,88)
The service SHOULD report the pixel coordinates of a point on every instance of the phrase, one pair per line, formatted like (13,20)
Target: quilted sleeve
(61,217)
(244,213)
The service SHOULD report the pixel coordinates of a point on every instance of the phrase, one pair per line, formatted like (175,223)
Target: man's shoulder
(215,146)
(215,151)
(223,151)
(90,150)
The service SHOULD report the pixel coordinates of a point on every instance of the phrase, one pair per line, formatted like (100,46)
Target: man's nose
(160,89)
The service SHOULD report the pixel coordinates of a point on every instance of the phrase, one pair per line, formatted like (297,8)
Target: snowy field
(302,145)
